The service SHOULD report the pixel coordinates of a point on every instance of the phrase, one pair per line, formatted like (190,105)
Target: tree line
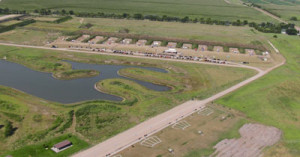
(265,27)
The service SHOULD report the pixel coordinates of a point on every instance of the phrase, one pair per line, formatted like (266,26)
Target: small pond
(43,85)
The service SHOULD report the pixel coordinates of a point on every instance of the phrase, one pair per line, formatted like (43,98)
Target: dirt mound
(254,137)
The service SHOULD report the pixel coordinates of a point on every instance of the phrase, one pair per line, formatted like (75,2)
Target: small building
(251,52)
(171,44)
(234,50)
(141,42)
(126,41)
(111,40)
(156,43)
(218,48)
(187,46)
(283,31)
(61,146)
(202,47)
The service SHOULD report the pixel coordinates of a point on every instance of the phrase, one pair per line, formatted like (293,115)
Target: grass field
(216,9)
(230,34)
(28,37)
(37,150)
(285,8)
(274,99)
(38,121)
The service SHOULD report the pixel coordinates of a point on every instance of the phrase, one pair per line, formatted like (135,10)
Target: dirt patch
(254,137)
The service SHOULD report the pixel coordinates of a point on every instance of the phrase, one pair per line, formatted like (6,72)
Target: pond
(43,85)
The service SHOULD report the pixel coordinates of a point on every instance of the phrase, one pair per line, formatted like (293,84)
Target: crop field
(285,8)
(274,99)
(38,121)
(216,9)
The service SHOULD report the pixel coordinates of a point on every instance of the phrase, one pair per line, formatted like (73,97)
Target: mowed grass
(38,150)
(229,34)
(217,9)
(28,37)
(275,98)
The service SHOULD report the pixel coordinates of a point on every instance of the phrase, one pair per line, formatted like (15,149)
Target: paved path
(159,122)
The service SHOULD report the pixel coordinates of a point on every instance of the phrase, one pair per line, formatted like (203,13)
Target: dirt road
(159,122)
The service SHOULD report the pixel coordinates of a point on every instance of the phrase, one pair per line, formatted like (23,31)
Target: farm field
(285,8)
(274,99)
(38,121)
(216,9)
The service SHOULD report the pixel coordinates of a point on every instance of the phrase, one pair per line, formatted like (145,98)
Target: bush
(8,129)
(164,43)
(225,48)
(149,42)
(179,45)
(242,50)
(13,26)
(74,37)
(89,38)
(210,48)
(63,19)
(293,18)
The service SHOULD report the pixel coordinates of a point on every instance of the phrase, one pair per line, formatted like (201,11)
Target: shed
(172,44)
(141,42)
(156,43)
(187,46)
(61,146)
(202,47)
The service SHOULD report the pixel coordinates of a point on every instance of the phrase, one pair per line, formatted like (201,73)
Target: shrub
(8,129)
(164,43)
(210,48)
(63,19)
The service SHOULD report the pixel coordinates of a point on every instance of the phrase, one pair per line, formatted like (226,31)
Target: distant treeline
(13,26)
(263,27)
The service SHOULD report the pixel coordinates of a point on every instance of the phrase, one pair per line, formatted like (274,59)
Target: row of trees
(8,11)
(263,27)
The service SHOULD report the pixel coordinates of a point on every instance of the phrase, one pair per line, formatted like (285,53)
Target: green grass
(274,99)
(217,9)
(74,74)
(227,34)
(38,150)
(29,37)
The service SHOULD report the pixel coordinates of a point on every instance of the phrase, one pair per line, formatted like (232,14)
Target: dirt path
(254,138)
(5,17)
(159,122)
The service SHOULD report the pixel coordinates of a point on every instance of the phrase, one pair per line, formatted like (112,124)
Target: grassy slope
(274,99)
(216,9)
